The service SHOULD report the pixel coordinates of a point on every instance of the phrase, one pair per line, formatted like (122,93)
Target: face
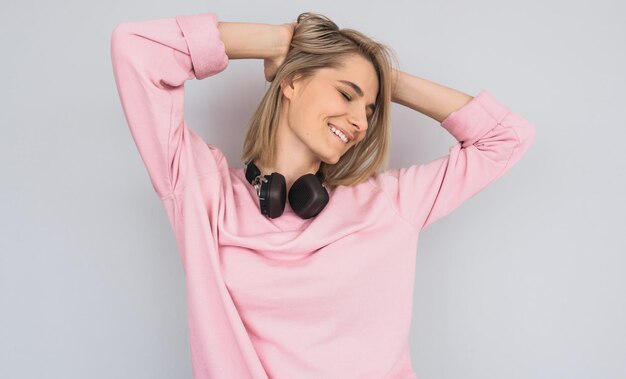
(328,99)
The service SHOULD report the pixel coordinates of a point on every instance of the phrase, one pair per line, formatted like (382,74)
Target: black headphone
(307,196)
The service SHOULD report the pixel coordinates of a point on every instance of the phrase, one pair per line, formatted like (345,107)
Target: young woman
(300,262)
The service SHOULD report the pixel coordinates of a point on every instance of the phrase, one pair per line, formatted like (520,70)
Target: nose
(360,121)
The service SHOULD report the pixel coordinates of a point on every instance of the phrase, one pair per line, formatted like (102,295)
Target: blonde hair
(317,43)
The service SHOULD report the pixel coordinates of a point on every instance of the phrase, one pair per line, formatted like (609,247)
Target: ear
(287,87)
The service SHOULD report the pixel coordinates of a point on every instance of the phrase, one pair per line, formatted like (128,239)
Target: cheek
(330,108)
(302,120)
(314,111)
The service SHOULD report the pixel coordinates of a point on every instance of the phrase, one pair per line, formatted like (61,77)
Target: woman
(319,284)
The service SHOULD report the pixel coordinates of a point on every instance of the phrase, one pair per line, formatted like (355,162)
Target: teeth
(339,133)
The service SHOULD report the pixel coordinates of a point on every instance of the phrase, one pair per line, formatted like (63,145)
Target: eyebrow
(359,91)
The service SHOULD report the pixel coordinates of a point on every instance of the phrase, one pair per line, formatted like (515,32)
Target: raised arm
(151,61)
(432,99)
(491,140)
(261,41)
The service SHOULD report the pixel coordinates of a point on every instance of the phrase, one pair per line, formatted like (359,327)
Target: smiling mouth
(340,136)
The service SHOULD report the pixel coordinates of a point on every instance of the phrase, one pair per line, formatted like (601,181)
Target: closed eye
(347,97)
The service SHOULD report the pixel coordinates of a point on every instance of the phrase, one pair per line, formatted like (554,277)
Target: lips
(348,135)
(337,137)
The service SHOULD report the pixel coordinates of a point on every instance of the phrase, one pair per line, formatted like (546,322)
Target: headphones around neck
(307,196)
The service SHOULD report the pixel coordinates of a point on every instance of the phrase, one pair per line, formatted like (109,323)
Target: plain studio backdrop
(524,280)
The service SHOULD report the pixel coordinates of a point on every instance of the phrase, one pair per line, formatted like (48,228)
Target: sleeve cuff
(207,51)
(475,118)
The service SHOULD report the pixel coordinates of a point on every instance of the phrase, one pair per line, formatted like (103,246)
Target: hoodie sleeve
(151,61)
(491,140)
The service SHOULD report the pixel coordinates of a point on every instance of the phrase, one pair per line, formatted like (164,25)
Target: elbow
(525,131)
(521,130)
(119,43)
(530,138)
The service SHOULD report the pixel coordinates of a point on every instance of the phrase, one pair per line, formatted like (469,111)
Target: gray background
(525,280)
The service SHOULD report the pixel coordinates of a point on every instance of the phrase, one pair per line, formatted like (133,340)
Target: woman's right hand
(271,64)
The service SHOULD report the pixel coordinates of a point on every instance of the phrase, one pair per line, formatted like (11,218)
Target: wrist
(282,40)
(395,84)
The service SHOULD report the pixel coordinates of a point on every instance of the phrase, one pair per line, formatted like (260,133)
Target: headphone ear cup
(273,195)
(307,196)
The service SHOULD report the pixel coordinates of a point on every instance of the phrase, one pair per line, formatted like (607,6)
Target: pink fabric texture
(327,297)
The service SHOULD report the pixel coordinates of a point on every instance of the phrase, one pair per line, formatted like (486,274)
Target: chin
(331,160)
(330,157)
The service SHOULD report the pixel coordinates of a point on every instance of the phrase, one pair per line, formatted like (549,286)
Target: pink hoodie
(327,297)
